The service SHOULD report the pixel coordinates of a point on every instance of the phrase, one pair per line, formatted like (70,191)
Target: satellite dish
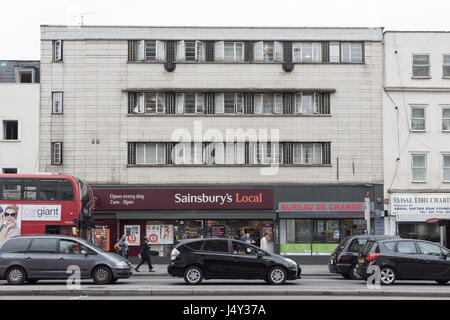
(288,66)
(170,66)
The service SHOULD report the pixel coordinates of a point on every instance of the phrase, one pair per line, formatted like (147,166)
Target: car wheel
(387,276)
(102,275)
(276,275)
(16,276)
(193,275)
(353,274)
(441,282)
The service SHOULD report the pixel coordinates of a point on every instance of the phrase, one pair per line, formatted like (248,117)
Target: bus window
(11,190)
(56,190)
(29,190)
(47,190)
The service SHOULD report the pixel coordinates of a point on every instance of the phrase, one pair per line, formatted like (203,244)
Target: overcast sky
(20,19)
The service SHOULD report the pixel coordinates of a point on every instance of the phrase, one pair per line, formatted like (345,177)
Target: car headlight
(121,264)
(292,263)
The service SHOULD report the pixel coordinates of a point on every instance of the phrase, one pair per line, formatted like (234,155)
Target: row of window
(228,103)
(421,67)
(228,153)
(419,167)
(238,51)
(36,189)
(219,103)
(418,118)
(218,153)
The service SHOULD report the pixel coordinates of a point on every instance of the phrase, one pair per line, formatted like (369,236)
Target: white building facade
(19,116)
(117,101)
(416,102)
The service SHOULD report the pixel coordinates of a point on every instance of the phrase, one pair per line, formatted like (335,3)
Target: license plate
(361,260)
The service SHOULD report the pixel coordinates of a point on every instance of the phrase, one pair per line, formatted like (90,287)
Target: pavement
(161,270)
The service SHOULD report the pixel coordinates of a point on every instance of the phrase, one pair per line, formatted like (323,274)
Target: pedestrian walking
(123,247)
(145,256)
(264,242)
(248,239)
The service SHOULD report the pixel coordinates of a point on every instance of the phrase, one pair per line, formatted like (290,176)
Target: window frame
(416,154)
(54,100)
(21,70)
(421,65)
(296,145)
(444,155)
(57,50)
(342,45)
(445,65)
(141,50)
(301,43)
(4,123)
(235,60)
(145,163)
(415,106)
(443,119)
(57,160)
(260,152)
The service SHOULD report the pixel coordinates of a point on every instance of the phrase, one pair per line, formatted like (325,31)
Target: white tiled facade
(95,75)
(402,92)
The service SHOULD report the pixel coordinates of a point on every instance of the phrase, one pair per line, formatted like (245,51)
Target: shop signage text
(420,206)
(183,199)
(322,206)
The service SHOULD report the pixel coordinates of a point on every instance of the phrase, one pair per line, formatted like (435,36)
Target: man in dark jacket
(145,256)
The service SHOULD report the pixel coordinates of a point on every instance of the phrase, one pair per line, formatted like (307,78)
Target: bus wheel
(102,275)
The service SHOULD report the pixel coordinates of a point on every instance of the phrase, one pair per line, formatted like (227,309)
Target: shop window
(420,231)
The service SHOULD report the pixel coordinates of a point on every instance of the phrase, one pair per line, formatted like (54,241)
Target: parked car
(218,258)
(32,258)
(344,258)
(405,259)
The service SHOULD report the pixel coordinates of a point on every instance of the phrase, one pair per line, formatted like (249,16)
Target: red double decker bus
(45,204)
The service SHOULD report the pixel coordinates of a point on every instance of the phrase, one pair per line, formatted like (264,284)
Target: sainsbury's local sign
(420,206)
(172,199)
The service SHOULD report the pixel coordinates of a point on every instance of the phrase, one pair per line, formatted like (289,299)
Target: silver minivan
(32,258)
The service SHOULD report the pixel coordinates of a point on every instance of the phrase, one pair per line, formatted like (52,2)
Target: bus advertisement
(45,204)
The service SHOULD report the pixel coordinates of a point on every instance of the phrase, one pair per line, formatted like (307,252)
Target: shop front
(421,216)
(166,216)
(314,220)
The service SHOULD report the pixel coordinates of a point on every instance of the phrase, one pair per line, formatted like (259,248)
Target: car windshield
(91,245)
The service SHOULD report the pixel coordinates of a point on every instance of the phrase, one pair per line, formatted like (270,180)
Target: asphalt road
(158,287)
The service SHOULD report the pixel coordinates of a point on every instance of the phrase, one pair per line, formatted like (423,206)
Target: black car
(344,258)
(405,259)
(218,258)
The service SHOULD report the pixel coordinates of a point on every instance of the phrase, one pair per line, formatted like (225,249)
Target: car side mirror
(259,254)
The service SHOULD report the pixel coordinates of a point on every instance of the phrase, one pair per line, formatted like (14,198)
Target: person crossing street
(145,256)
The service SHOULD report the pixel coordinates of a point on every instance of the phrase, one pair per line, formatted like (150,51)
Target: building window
(150,153)
(418,118)
(307,103)
(421,66)
(229,51)
(57,50)
(307,52)
(191,51)
(10,130)
(268,51)
(187,153)
(446,167)
(229,103)
(446,66)
(419,167)
(268,103)
(57,102)
(446,119)
(225,153)
(151,50)
(307,153)
(266,153)
(150,103)
(351,52)
(190,103)
(57,153)
(25,75)
(9,170)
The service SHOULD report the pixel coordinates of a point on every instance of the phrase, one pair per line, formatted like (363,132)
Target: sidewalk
(161,270)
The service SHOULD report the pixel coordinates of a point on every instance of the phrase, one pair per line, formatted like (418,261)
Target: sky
(21,19)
